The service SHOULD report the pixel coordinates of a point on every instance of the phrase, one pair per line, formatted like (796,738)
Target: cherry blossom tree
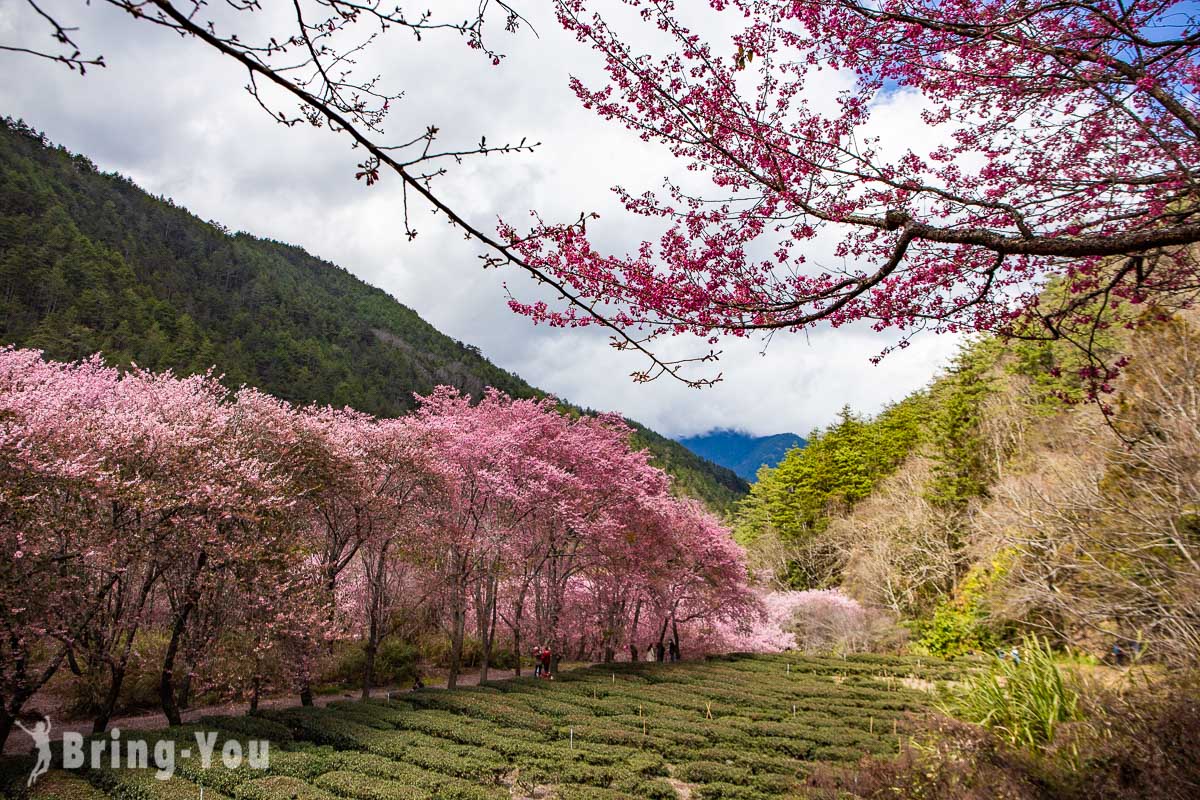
(1059,141)
(1063,142)
(118,485)
(251,534)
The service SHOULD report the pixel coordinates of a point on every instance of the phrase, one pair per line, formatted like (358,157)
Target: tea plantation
(742,727)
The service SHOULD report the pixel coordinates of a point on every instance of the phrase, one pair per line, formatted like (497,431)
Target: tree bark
(121,667)
(369,667)
(458,624)
(6,725)
(166,685)
(487,636)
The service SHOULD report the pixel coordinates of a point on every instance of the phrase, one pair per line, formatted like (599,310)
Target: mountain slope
(91,263)
(999,499)
(740,452)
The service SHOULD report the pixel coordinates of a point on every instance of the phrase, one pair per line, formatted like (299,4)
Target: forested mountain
(1004,496)
(741,452)
(91,263)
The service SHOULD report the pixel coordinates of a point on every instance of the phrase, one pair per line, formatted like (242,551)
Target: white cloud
(172,115)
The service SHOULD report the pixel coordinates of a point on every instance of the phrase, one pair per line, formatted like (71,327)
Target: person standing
(546,664)
(537,661)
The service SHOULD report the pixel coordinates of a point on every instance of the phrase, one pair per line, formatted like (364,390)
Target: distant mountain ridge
(741,452)
(89,262)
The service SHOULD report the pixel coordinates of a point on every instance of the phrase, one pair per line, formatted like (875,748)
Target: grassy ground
(739,727)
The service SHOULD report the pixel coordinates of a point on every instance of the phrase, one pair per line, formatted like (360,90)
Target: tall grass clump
(1021,701)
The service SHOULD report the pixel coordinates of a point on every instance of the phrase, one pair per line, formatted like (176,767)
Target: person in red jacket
(546,663)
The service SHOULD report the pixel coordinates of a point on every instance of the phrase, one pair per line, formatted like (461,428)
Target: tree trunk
(516,632)
(6,726)
(458,624)
(185,688)
(100,722)
(637,615)
(166,685)
(120,669)
(306,695)
(369,667)
(487,624)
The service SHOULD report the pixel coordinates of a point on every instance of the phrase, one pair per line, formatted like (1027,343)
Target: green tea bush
(303,763)
(742,727)
(650,789)
(457,765)
(62,785)
(713,772)
(363,787)
(729,791)
(250,727)
(574,792)
(141,784)
(280,787)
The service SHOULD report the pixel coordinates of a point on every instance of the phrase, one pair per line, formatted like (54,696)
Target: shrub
(251,727)
(141,784)
(449,763)
(728,791)
(573,792)
(713,772)
(362,787)
(303,764)
(1023,702)
(61,785)
(280,787)
(1136,745)
(959,624)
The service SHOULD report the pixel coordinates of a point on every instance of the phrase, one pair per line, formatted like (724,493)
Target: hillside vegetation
(91,263)
(1000,498)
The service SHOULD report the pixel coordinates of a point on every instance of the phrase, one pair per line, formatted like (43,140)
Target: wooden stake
(872,724)
(893,727)
(708,710)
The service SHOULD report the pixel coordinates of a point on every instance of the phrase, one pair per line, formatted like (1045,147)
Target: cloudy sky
(174,116)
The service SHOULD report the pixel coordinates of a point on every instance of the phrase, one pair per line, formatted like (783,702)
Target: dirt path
(19,744)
